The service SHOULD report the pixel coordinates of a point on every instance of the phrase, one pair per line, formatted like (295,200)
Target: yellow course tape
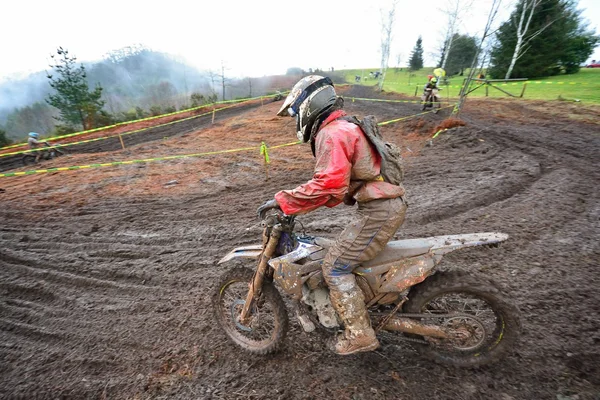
(393,101)
(114,136)
(503,84)
(180,156)
(146,119)
(143,160)
(412,116)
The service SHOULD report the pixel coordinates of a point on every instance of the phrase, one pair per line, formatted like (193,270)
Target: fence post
(523,91)
(122,144)
(264,151)
(487,88)
(416,90)
(213,116)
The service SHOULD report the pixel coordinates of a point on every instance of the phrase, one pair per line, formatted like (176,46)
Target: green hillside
(584,85)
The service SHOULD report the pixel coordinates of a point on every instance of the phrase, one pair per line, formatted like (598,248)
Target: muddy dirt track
(106,274)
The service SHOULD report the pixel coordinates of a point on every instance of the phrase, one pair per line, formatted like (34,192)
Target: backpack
(392,170)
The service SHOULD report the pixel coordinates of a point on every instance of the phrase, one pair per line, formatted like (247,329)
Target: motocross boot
(349,302)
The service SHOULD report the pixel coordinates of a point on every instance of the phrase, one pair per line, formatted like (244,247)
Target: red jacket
(344,157)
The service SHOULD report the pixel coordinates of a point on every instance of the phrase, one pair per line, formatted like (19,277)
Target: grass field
(583,86)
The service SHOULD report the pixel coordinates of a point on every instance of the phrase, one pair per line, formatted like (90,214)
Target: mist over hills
(132,78)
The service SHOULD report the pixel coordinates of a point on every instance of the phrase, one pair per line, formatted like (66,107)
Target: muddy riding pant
(361,241)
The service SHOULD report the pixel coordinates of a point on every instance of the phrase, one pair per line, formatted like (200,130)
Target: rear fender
(252,252)
(441,245)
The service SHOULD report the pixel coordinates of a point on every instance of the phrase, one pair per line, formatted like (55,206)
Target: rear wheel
(485,328)
(28,159)
(268,323)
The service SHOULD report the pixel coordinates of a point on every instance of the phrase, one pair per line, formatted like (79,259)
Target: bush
(155,110)
(4,141)
(170,109)
(197,99)
(140,113)
(128,115)
(60,130)
(104,118)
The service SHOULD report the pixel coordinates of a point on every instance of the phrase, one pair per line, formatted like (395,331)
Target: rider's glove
(269,205)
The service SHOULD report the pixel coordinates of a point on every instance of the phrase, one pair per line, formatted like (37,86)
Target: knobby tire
(508,325)
(270,295)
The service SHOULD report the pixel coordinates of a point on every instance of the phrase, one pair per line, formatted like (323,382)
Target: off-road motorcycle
(454,318)
(47,154)
(431,100)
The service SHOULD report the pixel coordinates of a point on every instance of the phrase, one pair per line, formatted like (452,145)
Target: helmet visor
(292,103)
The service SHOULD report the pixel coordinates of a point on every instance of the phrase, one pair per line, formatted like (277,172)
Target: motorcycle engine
(318,301)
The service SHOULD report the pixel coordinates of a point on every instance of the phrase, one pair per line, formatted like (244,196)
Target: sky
(250,38)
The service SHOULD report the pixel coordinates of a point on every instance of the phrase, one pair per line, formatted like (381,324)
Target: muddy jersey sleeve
(329,184)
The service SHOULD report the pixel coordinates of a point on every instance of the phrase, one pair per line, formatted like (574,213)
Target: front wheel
(436,104)
(487,326)
(268,323)
(425,103)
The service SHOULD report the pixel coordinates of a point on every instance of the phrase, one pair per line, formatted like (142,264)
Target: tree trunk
(521,31)
(448,47)
(486,32)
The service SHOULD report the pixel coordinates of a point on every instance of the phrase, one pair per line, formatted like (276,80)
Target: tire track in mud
(494,186)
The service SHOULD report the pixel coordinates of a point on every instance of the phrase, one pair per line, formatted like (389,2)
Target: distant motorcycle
(457,319)
(431,100)
(53,151)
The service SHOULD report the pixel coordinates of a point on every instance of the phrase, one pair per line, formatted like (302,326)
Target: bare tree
(212,76)
(529,8)
(454,11)
(223,79)
(387,23)
(487,31)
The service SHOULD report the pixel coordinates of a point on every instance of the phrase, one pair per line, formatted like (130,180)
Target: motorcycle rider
(432,84)
(429,88)
(34,143)
(347,170)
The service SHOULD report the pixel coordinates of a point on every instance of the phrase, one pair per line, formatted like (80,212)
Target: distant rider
(429,88)
(432,84)
(34,143)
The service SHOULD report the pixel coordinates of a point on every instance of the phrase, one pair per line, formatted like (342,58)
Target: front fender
(243,252)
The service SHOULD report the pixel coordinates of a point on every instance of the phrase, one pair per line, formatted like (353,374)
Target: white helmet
(309,98)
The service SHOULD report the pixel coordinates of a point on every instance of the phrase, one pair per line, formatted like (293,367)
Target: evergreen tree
(461,54)
(561,46)
(76,103)
(416,58)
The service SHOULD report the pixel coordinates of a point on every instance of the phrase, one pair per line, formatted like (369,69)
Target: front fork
(270,241)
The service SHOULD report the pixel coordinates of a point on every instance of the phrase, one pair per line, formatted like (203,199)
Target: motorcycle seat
(397,250)
(393,251)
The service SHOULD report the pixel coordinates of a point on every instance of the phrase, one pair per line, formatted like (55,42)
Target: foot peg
(305,322)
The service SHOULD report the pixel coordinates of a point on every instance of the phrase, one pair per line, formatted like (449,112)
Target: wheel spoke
(471,328)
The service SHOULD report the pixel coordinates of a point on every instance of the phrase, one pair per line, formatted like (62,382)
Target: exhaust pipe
(411,326)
